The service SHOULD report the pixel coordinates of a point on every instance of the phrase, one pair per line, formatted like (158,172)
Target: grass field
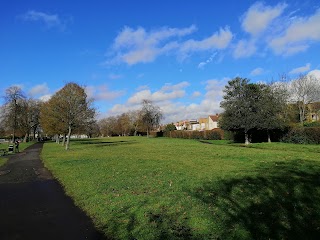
(160,188)
(22,146)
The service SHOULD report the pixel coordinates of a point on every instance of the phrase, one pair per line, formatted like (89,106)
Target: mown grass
(22,146)
(160,188)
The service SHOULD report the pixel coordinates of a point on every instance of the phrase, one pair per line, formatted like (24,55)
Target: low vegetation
(22,146)
(160,188)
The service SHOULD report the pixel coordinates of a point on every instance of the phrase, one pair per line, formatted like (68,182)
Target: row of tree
(257,106)
(70,111)
(19,115)
(247,106)
(146,119)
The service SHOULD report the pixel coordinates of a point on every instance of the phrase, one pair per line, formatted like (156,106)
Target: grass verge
(160,188)
(22,146)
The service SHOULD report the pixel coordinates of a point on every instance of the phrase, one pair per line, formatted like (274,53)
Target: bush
(312,124)
(303,135)
(216,134)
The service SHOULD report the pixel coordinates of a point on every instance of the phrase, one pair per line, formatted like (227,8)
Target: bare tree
(305,90)
(29,117)
(136,120)
(13,99)
(151,115)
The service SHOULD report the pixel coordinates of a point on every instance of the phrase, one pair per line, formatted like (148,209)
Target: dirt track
(33,204)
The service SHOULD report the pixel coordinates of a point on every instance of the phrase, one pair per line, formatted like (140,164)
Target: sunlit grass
(160,188)
(22,146)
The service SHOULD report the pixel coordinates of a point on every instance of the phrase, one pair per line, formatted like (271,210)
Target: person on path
(17,145)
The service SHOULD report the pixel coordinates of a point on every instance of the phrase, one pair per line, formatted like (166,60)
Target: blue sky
(179,54)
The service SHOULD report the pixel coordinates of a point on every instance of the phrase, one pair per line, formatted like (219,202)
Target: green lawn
(160,188)
(22,146)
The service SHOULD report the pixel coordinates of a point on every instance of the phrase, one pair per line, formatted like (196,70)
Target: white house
(213,121)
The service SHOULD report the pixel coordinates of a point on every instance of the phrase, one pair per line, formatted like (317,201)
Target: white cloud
(172,108)
(298,36)
(50,20)
(259,16)
(196,94)
(167,92)
(41,89)
(178,86)
(301,69)
(244,48)
(100,93)
(256,71)
(133,46)
(315,73)
(201,65)
(218,40)
(45,98)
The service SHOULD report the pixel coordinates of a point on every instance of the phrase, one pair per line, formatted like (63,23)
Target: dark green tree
(273,108)
(241,107)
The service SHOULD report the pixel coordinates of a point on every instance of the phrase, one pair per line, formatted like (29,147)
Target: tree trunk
(246,137)
(147,132)
(68,139)
(64,140)
(58,139)
(269,137)
(25,137)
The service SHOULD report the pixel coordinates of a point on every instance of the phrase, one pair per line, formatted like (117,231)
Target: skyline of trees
(21,116)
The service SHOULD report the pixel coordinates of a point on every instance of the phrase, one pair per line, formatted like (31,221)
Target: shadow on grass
(281,202)
(105,143)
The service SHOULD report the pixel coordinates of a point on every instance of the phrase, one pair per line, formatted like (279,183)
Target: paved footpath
(33,204)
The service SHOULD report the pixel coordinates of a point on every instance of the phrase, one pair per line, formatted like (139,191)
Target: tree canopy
(67,110)
(248,106)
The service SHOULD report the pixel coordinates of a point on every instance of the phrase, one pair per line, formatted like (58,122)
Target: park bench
(3,152)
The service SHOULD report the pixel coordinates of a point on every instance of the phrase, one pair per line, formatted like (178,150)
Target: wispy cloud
(217,41)
(167,98)
(101,93)
(256,71)
(298,36)
(259,16)
(201,65)
(284,33)
(50,20)
(114,76)
(40,89)
(301,69)
(133,46)
(167,92)
(245,48)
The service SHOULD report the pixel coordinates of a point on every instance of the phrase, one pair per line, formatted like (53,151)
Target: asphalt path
(33,204)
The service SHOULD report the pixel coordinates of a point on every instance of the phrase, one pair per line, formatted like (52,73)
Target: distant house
(213,121)
(181,125)
(193,125)
(203,122)
(313,112)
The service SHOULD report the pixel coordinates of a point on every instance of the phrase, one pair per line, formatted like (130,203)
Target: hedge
(303,135)
(216,134)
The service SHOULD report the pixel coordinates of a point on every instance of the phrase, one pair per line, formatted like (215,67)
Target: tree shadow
(282,201)
(105,143)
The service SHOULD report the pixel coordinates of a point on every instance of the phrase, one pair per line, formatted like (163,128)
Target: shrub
(216,134)
(303,135)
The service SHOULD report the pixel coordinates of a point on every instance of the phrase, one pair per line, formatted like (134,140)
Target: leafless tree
(13,99)
(305,90)
(151,115)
